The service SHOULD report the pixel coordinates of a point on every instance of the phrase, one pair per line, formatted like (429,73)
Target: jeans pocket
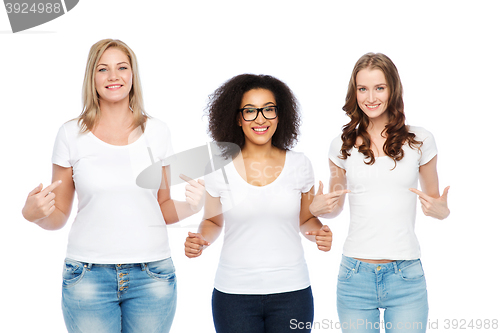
(162,270)
(73,272)
(345,272)
(412,272)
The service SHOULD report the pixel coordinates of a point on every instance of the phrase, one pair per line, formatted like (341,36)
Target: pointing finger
(414,190)
(197,184)
(51,187)
(420,194)
(313,233)
(186,178)
(319,232)
(337,194)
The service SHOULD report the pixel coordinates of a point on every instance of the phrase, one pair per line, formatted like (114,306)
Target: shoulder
(421,133)
(300,170)
(71,125)
(428,149)
(155,123)
(336,144)
(155,126)
(297,157)
(70,129)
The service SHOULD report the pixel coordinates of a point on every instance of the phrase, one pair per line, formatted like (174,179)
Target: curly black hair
(222,111)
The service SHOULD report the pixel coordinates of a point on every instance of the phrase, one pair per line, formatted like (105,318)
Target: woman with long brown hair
(380,160)
(118,274)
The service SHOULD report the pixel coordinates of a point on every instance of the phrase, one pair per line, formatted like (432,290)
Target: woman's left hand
(323,238)
(434,207)
(195,192)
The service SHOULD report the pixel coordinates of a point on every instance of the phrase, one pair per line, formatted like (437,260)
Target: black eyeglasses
(250,114)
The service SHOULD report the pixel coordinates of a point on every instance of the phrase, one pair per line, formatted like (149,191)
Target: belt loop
(89,266)
(395,266)
(356,269)
(143,266)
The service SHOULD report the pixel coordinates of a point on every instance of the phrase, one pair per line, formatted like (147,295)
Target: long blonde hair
(91,112)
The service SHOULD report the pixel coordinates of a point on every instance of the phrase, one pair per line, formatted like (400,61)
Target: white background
(446,53)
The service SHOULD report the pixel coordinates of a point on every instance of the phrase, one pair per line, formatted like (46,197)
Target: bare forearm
(209,230)
(334,213)
(174,211)
(312,224)
(54,221)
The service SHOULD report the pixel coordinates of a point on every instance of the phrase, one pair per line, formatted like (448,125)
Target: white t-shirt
(117,221)
(262,251)
(382,208)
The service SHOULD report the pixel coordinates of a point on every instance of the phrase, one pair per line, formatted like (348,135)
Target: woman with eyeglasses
(380,160)
(118,274)
(261,199)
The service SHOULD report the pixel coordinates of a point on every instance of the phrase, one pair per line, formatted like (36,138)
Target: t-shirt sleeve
(428,148)
(308,175)
(211,183)
(167,150)
(334,152)
(61,154)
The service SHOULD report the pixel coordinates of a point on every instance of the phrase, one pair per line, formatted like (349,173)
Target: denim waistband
(394,266)
(89,266)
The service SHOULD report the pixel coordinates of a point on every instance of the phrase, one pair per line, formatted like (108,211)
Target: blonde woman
(118,275)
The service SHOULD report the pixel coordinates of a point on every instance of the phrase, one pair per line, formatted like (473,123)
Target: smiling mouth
(260,130)
(116,86)
(372,106)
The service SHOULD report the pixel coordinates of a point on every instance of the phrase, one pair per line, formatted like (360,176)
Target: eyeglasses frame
(261,110)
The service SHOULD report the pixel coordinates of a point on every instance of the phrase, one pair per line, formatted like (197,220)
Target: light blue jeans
(119,298)
(398,287)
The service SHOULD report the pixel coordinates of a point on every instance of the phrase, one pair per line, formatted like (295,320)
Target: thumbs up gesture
(434,207)
(323,238)
(325,203)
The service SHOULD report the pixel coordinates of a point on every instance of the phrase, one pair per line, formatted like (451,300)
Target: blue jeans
(398,287)
(271,313)
(119,298)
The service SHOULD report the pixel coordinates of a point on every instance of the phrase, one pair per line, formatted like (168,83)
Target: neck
(116,113)
(252,151)
(377,125)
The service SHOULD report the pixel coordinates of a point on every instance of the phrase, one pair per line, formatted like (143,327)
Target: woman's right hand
(325,203)
(40,203)
(194,245)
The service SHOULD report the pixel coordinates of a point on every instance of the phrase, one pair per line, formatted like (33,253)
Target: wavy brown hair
(224,103)
(396,131)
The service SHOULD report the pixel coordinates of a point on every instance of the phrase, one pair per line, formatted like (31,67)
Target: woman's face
(113,76)
(261,130)
(372,93)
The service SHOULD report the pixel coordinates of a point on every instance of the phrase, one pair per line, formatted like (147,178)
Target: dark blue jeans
(272,313)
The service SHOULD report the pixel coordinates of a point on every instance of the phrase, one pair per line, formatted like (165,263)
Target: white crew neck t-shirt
(382,209)
(262,251)
(117,221)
